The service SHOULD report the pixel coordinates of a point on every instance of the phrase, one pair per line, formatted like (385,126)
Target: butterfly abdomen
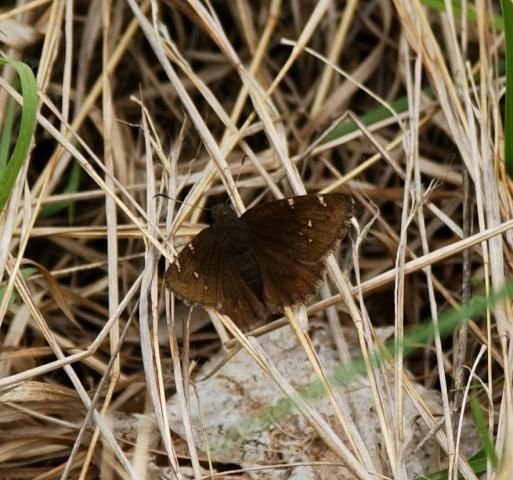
(247,266)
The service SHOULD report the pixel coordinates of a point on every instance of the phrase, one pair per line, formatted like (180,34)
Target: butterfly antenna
(166,196)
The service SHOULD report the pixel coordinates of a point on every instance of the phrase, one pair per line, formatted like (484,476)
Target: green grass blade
(439,5)
(507,11)
(9,172)
(71,186)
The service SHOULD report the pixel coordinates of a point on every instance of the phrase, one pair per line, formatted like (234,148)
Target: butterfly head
(222,211)
(231,231)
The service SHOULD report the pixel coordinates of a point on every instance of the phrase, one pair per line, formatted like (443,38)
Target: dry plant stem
(461,335)
(311,416)
(107,465)
(88,42)
(336,48)
(97,232)
(344,74)
(411,254)
(369,162)
(50,46)
(336,329)
(145,433)
(182,392)
(158,406)
(427,416)
(462,124)
(422,408)
(345,294)
(256,61)
(110,210)
(68,59)
(406,218)
(14,12)
(181,372)
(351,433)
(105,408)
(97,179)
(248,32)
(110,206)
(322,147)
(502,311)
(420,37)
(204,431)
(459,424)
(383,151)
(433,257)
(418,190)
(148,310)
(111,219)
(474,151)
(304,37)
(197,192)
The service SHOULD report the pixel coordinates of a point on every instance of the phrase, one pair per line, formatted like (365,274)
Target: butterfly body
(272,256)
(234,239)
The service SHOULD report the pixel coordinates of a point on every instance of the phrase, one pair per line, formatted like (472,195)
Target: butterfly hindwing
(238,301)
(204,273)
(288,281)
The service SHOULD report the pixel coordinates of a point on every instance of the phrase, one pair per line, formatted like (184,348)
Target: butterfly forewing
(307,227)
(291,238)
(195,273)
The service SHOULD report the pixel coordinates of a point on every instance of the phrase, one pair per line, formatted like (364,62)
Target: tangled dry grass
(399,103)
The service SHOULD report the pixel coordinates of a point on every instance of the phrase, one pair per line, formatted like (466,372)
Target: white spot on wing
(321,200)
(309,223)
(310,240)
(191,247)
(291,203)
(195,275)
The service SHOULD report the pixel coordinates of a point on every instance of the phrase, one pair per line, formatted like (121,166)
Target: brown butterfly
(273,256)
